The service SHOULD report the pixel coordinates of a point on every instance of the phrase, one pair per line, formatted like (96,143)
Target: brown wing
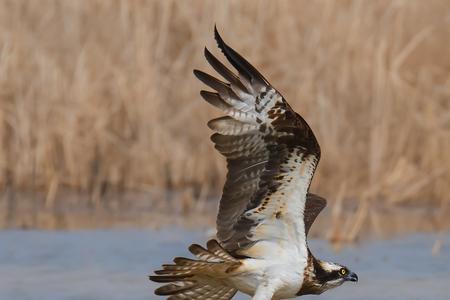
(313,206)
(271,151)
(199,278)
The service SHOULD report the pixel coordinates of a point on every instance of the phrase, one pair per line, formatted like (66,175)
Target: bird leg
(264,291)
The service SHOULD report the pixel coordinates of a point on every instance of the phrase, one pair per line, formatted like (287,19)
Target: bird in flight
(266,209)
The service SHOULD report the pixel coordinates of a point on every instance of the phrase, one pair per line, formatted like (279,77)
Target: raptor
(266,209)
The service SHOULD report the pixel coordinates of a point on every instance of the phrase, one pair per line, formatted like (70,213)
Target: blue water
(114,265)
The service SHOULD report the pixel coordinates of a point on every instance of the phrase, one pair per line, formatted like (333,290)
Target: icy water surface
(114,265)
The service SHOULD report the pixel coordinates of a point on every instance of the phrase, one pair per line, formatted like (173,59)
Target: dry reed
(99,95)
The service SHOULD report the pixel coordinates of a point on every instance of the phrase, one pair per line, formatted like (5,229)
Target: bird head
(332,275)
(321,276)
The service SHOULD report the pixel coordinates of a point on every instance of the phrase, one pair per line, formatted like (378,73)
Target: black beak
(352,277)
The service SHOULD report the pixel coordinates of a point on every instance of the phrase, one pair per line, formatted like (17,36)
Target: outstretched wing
(271,153)
(313,206)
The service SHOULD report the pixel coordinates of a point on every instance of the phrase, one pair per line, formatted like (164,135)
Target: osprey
(266,210)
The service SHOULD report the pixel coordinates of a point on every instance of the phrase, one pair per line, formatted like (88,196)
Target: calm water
(114,265)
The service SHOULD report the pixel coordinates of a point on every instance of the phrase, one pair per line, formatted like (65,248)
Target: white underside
(279,277)
(276,267)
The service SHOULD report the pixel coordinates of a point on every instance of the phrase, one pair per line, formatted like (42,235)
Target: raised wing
(271,153)
(313,206)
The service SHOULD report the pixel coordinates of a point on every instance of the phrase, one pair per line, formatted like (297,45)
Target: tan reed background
(99,95)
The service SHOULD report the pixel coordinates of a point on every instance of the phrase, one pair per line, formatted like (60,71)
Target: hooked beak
(351,277)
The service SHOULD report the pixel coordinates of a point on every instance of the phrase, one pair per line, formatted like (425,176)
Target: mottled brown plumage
(198,278)
(260,153)
(266,210)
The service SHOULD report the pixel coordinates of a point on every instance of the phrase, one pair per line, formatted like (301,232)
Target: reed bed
(98,96)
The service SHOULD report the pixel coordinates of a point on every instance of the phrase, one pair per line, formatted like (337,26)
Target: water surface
(113,265)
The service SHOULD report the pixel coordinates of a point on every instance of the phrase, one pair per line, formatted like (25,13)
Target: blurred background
(102,126)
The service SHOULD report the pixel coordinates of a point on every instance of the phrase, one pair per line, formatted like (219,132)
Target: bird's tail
(204,278)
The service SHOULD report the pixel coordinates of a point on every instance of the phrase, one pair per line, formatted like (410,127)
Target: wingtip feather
(215,100)
(239,62)
(197,73)
(219,39)
(207,53)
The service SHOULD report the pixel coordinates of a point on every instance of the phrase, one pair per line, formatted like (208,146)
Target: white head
(321,276)
(332,275)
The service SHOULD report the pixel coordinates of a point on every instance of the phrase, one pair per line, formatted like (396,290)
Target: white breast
(280,255)
(286,271)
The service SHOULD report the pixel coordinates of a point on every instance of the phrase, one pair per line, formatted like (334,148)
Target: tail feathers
(195,291)
(198,279)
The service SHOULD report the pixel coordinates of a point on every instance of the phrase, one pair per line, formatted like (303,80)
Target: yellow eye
(343,271)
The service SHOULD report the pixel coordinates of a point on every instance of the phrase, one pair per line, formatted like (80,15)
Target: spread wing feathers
(271,153)
(313,206)
(198,279)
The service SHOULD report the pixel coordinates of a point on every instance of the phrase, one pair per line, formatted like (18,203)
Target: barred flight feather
(266,145)
(266,207)
(194,279)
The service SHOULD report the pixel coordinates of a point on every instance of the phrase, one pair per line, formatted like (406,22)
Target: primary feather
(266,210)
(271,152)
